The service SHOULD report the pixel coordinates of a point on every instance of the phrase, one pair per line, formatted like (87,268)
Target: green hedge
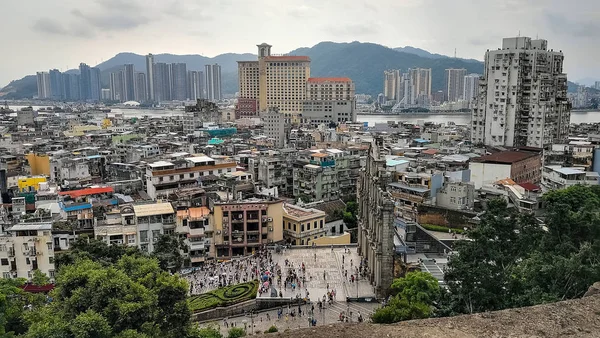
(226,296)
(440,228)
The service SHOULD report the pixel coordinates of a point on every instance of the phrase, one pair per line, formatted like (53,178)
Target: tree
(207,332)
(510,260)
(39,278)
(236,332)
(89,248)
(414,297)
(132,296)
(168,252)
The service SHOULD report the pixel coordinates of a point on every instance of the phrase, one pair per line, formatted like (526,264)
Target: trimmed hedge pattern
(226,296)
(440,228)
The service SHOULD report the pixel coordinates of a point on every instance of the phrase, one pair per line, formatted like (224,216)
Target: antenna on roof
(455,53)
(519,33)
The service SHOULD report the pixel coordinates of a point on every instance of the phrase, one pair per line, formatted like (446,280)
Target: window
(155,235)
(302,227)
(51,274)
(4,261)
(321,224)
(49,246)
(143,235)
(131,239)
(6,275)
(2,247)
(51,260)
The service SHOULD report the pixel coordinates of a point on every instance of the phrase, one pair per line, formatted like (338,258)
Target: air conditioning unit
(270,228)
(270,219)
(218,232)
(269,241)
(226,242)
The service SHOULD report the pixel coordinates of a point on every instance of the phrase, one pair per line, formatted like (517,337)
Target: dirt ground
(574,318)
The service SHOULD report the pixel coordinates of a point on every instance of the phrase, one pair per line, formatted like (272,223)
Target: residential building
(522,98)
(118,227)
(203,111)
(212,75)
(241,227)
(455,81)
(456,196)
(71,87)
(558,177)
(163,177)
(302,225)
(274,127)
(85,82)
(129,83)
(141,91)
(329,100)
(56,85)
(179,81)
(470,87)
(246,108)
(153,220)
(391,84)
(117,86)
(150,79)
(520,166)
(420,79)
(411,189)
(43,85)
(26,247)
(162,82)
(275,81)
(95,86)
(195,227)
(195,83)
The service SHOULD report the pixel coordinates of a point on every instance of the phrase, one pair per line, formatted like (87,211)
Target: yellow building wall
(26,182)
(39,164)
(275,211)
(332,240)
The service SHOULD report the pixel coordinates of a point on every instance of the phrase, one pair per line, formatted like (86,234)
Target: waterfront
(459,119)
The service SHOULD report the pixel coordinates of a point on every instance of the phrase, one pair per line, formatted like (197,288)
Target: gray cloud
(581,27)
(111,21)
(301,12)
(49,26)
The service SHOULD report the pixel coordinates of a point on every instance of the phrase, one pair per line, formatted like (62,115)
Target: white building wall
(486,173)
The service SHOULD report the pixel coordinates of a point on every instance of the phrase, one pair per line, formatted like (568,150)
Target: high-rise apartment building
(117,86)
(150,80)
(195,85)
(71,87)
(213,82)
(391,84)
(43,85)
(275,81)
(141,93)
(455,82)
(129,82)
(470,87)
(85,82)
(56,85)
(179,81)
(162,82)
(421,85)
(522,98)
(95,86)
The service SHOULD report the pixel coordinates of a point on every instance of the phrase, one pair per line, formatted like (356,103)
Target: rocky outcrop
(573,318)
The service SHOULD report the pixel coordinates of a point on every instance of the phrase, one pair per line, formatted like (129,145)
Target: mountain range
(364,63)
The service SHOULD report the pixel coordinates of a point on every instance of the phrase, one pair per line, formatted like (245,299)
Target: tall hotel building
(522,98)
(275,82)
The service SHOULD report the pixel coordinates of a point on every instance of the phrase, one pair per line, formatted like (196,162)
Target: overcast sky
(42,34)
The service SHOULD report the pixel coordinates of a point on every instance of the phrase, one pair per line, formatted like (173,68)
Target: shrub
(432,227)
(272,329)
(236,332)
(226,296)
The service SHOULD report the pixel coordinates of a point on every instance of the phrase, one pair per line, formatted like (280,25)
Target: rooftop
(505,157)
(300,212)
(153,209)
(328,79)
(87,192)
(31,226)
(287,58)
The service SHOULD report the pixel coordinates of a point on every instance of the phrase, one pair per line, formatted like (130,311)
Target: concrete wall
(484,173)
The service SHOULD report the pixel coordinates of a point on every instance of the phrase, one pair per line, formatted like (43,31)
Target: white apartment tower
(274,127)
(43,85)
(455,81)
(522,98)
(421,85)
(213,82)
(470,87)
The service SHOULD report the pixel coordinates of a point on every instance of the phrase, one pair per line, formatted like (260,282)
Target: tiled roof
(529,186)
(329,79)
(506,157)
(153,209)
(287,58)
(87,191)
